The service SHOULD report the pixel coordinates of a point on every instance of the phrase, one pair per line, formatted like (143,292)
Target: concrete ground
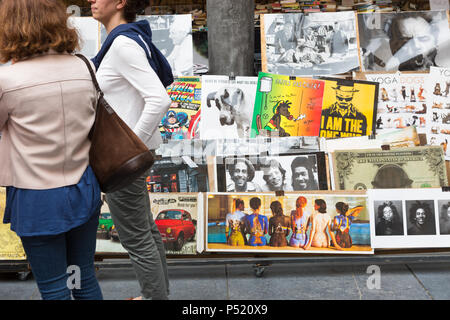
(279,281)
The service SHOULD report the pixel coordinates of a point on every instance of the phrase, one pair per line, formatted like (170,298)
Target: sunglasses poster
(181,120)
(301,222)
(287,106)
(349,108)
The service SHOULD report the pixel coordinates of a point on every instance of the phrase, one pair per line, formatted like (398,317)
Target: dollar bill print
(419,167)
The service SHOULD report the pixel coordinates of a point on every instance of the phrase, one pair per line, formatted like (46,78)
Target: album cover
(287,106)
(227,107)
(306,222)
(349,108)
(178,174)
(408,218)
(418,167)
(289,172)
(404,41)
(311,44)
(179,122)
(178,216)
(438,129)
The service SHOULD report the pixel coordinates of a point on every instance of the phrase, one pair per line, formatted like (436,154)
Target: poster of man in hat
(349,108)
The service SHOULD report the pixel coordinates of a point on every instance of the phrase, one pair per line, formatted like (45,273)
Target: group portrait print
(291,172)
(300,222)
(309,44)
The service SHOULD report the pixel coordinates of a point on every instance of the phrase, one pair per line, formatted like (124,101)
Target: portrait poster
(327,223)
(227,106)
(314,44)
(402,100)
(349,108)
(10,245)
(438,129)
(402,168)
(409,218)
(404,41)
(178,217)
(88,30)
(172,35)
(287,106)
(178,174)
(264,173)
(178,123)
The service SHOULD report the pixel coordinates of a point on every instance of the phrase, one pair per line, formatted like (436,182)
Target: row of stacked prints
(339,145)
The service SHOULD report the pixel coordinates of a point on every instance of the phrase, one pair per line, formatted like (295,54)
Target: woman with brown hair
(47,108)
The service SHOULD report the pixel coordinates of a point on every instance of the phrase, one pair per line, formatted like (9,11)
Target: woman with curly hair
(133,79)
(47,108)
(421,219)
(389,220)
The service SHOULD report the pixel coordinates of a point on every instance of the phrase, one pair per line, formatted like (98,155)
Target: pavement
(277,281)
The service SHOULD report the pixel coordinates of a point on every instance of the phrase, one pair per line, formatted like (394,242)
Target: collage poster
(287,106)
(409,218)
(302,222)
(10,244)
(182,119)
(438,130)
(349,108)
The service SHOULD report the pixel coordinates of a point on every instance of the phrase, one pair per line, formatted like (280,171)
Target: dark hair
(396,216)
(322,205)
(342,207)
(32,27)
(273,164)
(134,7)
(250,169)
(239,202)
(304,161)
(419,205)
(276,208)
(443,215)
(255,203)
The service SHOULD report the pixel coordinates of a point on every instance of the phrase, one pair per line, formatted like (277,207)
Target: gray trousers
(139,235)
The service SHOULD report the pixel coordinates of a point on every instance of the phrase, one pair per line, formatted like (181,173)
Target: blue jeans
(50,257)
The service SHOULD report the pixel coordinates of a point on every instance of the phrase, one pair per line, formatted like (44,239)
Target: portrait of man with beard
(303,175)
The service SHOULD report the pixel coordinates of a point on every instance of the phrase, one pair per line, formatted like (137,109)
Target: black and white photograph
(172,35)
(420,217)
(272,173)
(444,216)
(404,41)
(178,174)
(300,44)
(227,106)
(388,218)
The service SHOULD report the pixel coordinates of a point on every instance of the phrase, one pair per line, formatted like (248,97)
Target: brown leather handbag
(117,155)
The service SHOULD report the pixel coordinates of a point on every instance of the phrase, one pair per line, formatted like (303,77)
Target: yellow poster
(349,108)
(10,244)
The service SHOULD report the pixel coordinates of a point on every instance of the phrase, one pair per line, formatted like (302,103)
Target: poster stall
(334,152)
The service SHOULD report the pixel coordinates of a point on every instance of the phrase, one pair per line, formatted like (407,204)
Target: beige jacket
(47,108)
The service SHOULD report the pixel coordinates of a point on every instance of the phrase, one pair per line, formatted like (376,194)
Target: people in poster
(274,177)
(242,173)
(256,224)
(421,218)
(389,221)
(303,177)
(444,218)
(299,223)
(279,226)
(342,222)
(235,223)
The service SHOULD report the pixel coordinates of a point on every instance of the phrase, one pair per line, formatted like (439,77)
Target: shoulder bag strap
(91,71)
